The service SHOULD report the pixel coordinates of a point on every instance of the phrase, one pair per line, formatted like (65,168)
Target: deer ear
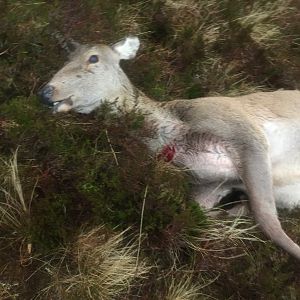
(68,44)
(127,48)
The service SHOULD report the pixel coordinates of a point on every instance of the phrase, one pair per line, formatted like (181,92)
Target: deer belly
(284,142)
(280,138)
(213,165)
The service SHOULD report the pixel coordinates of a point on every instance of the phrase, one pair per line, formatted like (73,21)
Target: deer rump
(246,144)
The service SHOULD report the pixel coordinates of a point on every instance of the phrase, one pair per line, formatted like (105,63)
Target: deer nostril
(46,94)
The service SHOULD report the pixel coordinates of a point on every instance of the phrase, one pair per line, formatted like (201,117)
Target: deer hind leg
(209,196)
(286,197)
(235,203)
(219,199)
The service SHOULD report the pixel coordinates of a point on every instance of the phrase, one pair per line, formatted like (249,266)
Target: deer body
(249,142)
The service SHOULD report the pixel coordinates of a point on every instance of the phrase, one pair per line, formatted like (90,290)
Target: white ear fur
(128,47)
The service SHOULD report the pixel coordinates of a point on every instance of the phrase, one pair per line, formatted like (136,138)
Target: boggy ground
(75,189)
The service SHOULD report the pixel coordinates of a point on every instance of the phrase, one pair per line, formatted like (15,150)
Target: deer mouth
(62,105)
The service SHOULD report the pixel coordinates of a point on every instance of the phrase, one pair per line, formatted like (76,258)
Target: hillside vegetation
(86,212)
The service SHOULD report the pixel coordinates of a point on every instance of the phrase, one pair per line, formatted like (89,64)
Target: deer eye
(93,59)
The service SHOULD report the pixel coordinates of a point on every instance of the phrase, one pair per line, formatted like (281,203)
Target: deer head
(91,76)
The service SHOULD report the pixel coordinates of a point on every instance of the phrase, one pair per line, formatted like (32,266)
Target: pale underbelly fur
(211,165)
(284,145)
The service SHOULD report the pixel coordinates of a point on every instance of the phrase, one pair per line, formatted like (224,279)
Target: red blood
(167,153)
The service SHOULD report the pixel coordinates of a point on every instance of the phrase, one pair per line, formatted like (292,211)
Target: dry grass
(224,239)
(203,17)
(14,207)
(204,30)
(130,19)
(207,18)
(184,289)
(263,18)
(6,292)
(226,79)
(222,236)
(99,266)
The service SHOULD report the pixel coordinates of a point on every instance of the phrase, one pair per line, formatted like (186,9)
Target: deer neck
(167,128)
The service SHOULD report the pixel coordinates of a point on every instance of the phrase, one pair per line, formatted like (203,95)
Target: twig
(3,52)
(111,148)
(141,227)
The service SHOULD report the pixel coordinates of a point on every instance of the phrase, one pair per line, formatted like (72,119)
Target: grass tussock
(263,19)
(15,207)
(223,40)
(221,236)
(184,289)
(216,238)
(98,266)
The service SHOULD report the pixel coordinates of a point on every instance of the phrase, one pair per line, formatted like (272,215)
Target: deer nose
(46,94)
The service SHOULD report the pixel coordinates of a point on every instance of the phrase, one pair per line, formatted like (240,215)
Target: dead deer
(249,142)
